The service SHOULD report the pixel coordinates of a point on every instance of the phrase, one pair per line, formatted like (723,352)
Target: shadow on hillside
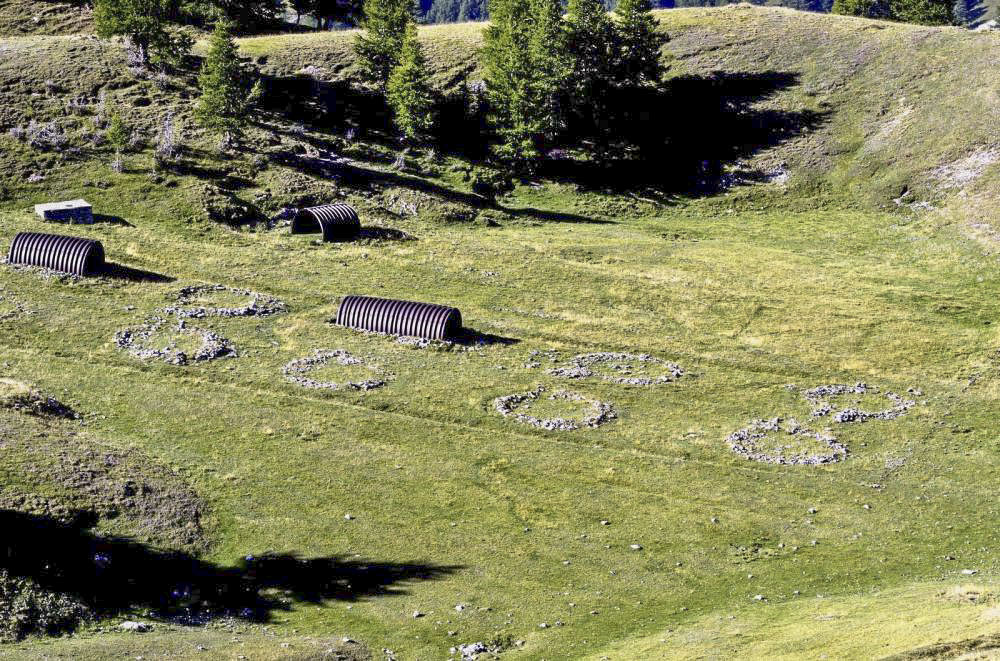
(112,574)
(685,135)
(971,12)
(680,138)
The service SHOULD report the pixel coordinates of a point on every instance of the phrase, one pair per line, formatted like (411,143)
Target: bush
(27,609)
(43,137)
(491,184)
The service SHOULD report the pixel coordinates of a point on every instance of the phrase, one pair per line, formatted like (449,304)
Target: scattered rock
(135,627)
(624,364)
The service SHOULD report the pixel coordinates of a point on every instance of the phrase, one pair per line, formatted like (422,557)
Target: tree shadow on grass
(111,220)
(686,135)
(114,575)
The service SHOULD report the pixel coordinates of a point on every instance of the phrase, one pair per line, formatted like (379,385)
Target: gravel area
(259,305)
(747,443)
(296,370)
(623,364)
(136,342)
(600,412)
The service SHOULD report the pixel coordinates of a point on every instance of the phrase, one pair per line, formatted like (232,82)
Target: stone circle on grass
(748,443)
(819,397)
(600,412)
(624,364)
(296,371)
(137,342)
(260,305)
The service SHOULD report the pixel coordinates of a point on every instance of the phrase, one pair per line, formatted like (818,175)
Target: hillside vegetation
(829,222)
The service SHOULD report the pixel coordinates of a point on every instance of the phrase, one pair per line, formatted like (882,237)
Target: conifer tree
(143,22)
(523,74)
(924,12)
(409,91)
(379,46)
(590,53)
(639,44)
(224,104)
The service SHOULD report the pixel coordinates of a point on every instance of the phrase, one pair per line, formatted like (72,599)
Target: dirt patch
(296,371)
(621,368)
(515,405)
(162,339)
(778,441)
(26,399)
(223,302)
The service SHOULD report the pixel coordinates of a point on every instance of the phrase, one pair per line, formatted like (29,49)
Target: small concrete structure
(75,211)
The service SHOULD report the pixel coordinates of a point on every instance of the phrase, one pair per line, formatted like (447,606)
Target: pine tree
(224,105)
(639,44)
(143,22)
(523,72)
(590,53)
(379,46)
(409,91)
(924,12)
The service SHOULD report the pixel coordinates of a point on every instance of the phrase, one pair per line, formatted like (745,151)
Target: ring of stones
(213,345)
(296,370)
(746,443)
(579,367)
(260,304)
(819,395)
(600,412)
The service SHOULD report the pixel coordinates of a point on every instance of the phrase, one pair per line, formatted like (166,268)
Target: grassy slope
(41,17)
(749,291)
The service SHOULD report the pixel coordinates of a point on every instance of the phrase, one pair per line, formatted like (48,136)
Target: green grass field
(758,293)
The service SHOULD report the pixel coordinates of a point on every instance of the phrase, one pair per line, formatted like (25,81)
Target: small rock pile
(600,412)
(135,341)
(581,367)
(296,369)
(23,398)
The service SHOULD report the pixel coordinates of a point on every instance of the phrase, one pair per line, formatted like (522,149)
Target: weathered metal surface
(337,222)
(68,254)
(75,211)
(385,315)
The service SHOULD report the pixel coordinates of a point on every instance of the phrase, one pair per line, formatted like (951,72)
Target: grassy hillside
(421,518)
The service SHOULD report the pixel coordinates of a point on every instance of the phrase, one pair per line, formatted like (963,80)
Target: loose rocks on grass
(750,444)
(819,397)
(137,342)
(10,307)
(624,367)
(296,370)
(25,399)
(600,412)
(259,305)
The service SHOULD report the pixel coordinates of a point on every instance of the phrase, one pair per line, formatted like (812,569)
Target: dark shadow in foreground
(113,575)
